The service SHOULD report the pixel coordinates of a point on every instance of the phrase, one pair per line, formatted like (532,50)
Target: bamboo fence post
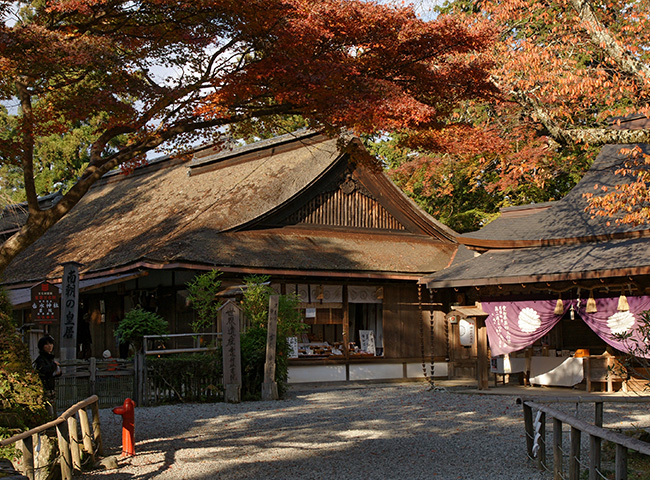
(557,449)
(86,434)
(621,462)
(73,435)
(97,433)
(574,456)
(64,452)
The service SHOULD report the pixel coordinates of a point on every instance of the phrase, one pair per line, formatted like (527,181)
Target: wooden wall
(406,327)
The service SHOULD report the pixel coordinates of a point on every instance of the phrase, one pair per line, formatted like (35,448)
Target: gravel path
(390,431)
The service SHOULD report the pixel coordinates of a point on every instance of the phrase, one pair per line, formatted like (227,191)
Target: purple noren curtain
(514,325)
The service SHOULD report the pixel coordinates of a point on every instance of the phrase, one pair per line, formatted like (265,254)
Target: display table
(556,371)
(505,366)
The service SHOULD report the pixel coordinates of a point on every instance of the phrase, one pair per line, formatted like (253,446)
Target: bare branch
(602,38)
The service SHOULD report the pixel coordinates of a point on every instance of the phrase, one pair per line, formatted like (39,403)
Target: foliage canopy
(127,77)
(566,71)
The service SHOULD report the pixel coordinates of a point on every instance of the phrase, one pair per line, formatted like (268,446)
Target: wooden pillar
(574,455)
(557,450)
(64,451)
(27,447)
(621,462)
(598,414)
(483,362)
(594,456)
(528,427)
(270,387)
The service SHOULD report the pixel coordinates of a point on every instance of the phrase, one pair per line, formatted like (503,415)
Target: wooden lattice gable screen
(346,203)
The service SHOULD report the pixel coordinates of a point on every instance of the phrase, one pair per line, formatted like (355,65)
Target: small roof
(554,241)
(20,297)
(579,261)
(467,311)
(555,222)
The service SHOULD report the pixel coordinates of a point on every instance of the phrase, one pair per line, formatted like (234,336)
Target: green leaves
(203,290)
(137,323)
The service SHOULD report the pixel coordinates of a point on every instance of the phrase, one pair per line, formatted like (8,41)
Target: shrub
(203,289)
(21,392)
(137,323)
(253,341)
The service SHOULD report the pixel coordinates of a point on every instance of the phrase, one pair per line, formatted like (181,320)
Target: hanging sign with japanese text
(45,300)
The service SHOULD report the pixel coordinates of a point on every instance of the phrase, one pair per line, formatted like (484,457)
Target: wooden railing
(70,444)
(535,414)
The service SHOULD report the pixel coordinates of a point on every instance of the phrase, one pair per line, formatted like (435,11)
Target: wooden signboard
(231,352)
(46,302)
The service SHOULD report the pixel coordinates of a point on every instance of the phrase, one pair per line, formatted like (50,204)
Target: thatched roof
(237,210)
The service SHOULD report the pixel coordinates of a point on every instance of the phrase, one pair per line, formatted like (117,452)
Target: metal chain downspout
(432,337)
(424,363)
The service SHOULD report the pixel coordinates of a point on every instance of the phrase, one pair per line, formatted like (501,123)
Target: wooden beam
(483,362)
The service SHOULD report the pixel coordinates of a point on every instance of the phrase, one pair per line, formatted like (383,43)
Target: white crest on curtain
(529,320)
(620,322)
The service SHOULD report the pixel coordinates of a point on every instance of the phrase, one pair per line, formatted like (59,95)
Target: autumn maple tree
(566,70)
(138,75)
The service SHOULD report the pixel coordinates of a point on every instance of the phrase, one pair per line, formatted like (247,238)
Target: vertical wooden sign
(270,387)
(231,347)
(69,310)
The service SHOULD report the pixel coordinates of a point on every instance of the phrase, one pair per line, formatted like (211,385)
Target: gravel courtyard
(395,431)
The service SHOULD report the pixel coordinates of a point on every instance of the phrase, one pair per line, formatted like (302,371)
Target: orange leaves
(626,203)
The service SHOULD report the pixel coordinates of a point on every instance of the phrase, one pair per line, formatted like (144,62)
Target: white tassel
(559,307)
(591,303)
(623,306)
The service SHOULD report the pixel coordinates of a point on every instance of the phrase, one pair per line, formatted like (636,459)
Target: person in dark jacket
(48,368)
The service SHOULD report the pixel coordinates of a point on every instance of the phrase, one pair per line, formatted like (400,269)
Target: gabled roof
(555,241)
(302,204)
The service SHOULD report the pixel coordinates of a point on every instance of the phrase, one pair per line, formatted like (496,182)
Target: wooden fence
(112,380)
(77,435)
(535,418)
(160,385)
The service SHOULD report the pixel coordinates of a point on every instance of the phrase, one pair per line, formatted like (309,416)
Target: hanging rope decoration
(424,364)
(432,336)
(428,377)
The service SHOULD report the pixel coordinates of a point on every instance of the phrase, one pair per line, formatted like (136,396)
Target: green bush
(137,323)
(203,289)
(253,341)
(21,392)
